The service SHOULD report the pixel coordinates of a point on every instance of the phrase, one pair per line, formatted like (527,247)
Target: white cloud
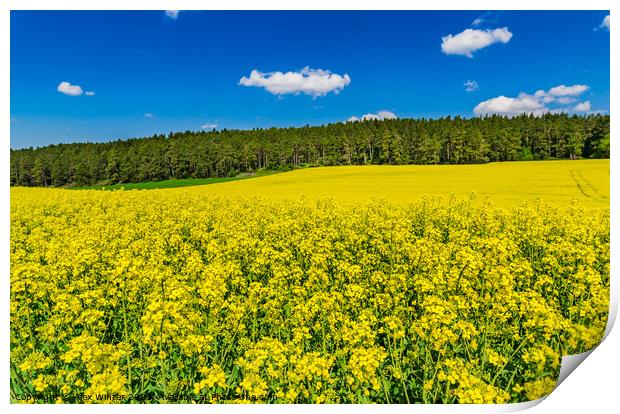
(89,93)
(208,126)
(68,89)
(470,40)
(477,22)
(604,24)
(173,14)
(380,115)
(503,105)
(149,115)
(583,107)
(471,86)
(536,104)
(563,90)
(314,82)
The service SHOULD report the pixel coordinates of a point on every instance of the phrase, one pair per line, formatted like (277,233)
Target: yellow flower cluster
(213,376)
(174,293)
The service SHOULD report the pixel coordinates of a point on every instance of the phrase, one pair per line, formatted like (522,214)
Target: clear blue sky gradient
(186,71)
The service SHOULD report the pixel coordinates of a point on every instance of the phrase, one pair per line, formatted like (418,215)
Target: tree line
(192,154)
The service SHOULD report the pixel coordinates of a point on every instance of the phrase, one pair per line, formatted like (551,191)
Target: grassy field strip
(187,182)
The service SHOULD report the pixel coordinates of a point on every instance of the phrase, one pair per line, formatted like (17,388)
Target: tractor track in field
(579,186)
(589,184)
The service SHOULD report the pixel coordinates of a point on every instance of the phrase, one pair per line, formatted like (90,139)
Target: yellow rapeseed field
(368,288)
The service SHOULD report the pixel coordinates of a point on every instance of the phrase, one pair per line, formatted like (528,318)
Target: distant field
(506,184)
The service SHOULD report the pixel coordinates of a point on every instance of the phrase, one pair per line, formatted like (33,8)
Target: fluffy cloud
(536,104)
(68,89)
(470,40)
(380,115)
(583,107)
(314,82)
(605,23)
(208,126)
(563,90)
(173,14)
(471,86)
(503,105)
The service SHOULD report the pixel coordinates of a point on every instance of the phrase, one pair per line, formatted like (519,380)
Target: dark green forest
(226,153)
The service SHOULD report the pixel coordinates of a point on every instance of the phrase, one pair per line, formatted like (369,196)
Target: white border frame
(592,387)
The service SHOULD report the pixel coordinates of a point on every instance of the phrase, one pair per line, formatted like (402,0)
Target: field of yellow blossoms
(172,296)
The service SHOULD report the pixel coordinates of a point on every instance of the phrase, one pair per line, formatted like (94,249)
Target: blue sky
(132,74)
